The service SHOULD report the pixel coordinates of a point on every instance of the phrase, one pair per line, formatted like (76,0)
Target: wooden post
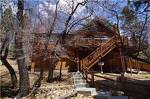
(92,75)
(130,64)
(33,62)
(78,64)
(60,70)
(86,76)
(81,64)
(122,61)
(33,66)
(138,67)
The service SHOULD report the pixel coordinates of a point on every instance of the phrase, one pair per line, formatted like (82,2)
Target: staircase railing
(97,54)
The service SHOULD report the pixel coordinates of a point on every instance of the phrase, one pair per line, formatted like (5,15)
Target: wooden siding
(132,63)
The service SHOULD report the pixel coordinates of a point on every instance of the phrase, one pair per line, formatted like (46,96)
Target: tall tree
(136,25)
(24,85)
(8,33)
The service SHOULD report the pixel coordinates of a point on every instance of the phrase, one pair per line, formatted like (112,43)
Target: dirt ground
(47,90)
(66,82)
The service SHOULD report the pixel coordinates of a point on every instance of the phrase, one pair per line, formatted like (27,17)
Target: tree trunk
(4,54)
(50,73)
(60,73)
(51,70)
(37,84)
(122,61)
(24,85)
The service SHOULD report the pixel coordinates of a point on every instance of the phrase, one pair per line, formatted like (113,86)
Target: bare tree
(24,85)
(69,23)
(7,29)
(68,26)
(136,25)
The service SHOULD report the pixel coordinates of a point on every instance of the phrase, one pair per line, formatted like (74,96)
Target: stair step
(87,90)
(77,77)
(81,84)
(79,81)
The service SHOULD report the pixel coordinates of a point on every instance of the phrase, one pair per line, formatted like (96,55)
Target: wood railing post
(81,64)
(92,75)
(86,76)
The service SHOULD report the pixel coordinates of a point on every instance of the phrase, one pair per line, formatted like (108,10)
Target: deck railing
(88,42)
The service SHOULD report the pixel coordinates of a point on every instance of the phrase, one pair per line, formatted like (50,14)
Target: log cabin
(96,46)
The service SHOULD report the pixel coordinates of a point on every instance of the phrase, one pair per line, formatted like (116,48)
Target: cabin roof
(98,26)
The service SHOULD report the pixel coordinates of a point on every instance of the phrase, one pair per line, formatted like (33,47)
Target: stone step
(79,81)
(76,73)
(77,76)
(90,91)
(83,85)
(80,84)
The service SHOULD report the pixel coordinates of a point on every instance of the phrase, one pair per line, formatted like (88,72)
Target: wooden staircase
(98,53)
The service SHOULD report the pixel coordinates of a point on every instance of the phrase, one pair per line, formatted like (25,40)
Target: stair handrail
(97,52)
